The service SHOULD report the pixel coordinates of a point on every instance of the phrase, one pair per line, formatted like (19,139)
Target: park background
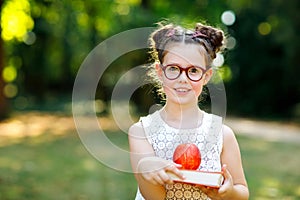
(44,42)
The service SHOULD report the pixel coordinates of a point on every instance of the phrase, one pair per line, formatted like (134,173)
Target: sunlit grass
(272,168)
(57,166)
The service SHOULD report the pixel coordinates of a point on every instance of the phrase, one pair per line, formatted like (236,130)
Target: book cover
(210,179)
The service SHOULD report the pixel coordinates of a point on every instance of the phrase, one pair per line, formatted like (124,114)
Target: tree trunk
(3,101)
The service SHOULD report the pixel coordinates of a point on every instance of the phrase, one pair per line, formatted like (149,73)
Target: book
(210,179)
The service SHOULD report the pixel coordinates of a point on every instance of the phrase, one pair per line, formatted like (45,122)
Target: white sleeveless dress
(164,139)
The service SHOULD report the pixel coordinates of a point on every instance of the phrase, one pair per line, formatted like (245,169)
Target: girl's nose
(183,77)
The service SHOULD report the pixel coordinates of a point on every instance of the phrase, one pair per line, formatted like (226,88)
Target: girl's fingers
(225,171)
(173,169)
(178,165)
(160,176)
(158,179)
(227,186)
(154,179)
(165,177)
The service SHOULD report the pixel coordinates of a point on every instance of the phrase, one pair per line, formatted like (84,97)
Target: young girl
(182,67)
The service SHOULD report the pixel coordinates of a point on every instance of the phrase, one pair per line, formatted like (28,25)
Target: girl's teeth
(181,90)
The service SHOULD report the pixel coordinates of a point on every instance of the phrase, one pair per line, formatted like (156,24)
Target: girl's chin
(183,100)
(181,97)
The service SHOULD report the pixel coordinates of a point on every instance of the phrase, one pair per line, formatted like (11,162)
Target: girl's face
(182,90)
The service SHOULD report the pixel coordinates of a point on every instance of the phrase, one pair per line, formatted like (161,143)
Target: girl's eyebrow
(185,65)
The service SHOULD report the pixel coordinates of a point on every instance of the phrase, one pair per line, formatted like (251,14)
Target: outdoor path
(32,124)
(268,130)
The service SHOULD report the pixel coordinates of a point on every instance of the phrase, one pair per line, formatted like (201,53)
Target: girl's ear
(159,70)
(208,76)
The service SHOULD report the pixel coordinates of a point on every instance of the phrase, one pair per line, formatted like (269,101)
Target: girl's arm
(235,185)
(149,170)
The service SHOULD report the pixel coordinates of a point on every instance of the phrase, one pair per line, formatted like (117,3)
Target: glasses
(173,71)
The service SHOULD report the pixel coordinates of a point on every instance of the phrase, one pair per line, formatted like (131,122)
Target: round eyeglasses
(173,71)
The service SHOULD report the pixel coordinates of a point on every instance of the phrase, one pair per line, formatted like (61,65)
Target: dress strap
(147,122)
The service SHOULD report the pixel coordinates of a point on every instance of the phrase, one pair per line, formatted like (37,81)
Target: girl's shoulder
(138,128)
(228,135)
(227,130)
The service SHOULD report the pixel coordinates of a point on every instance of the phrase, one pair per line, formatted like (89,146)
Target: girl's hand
(154,170)
(227,186)
(224,191)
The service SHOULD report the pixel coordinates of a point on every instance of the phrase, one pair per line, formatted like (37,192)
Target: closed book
(210,179)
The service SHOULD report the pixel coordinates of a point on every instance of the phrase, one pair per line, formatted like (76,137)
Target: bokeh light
(230,43)
(264,28)
(21,102)
(9,73)
(10,90)
(219,60)
(29,38)
(16,20)
(226,73)
(102,25)
(122,9)
(228,18)
(82,19)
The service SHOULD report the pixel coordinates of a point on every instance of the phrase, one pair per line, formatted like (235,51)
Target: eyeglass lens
(193,73)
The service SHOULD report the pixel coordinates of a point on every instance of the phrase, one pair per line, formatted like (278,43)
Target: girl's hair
(208,37)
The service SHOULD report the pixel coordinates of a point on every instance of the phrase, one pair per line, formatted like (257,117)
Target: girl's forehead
(186,54)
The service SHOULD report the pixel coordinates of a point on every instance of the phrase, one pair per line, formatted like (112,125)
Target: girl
(182,67)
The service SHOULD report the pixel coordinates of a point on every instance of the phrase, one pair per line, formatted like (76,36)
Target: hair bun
(214,36)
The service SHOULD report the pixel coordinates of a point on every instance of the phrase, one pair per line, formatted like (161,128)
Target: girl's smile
(182,90)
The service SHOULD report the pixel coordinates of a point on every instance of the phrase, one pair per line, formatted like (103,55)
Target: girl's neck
(182,116)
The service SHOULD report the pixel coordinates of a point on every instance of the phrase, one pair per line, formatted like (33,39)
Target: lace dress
(164,139)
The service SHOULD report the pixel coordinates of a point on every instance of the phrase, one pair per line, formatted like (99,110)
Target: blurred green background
(44,42)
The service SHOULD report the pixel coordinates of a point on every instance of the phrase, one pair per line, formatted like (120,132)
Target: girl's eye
(194,70)
(173,68)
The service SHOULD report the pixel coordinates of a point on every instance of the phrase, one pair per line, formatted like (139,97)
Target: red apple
(188,156)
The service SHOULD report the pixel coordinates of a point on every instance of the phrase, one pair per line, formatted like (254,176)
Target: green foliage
(264,65)
(263,73)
